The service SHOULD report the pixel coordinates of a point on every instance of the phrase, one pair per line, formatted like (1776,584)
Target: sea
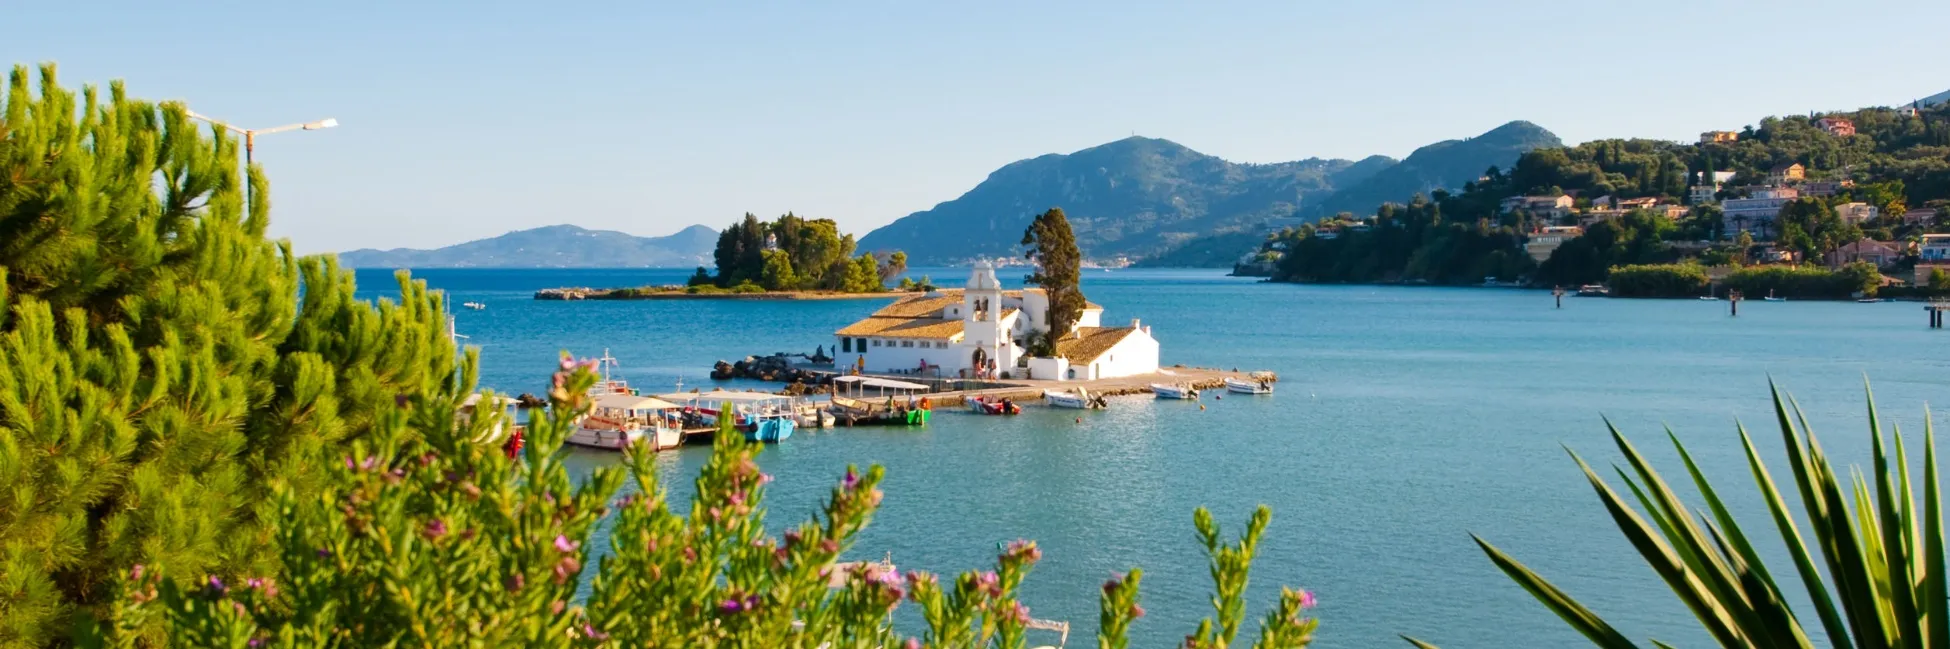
(1406,420)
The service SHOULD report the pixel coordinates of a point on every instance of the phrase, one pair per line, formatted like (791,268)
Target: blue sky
(465,120)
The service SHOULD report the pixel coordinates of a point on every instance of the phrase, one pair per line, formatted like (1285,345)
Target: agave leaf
(1741,548)
(1936,602)
(1419,644)
(1773,624)
(1846,559)
(1686,539)
(1572,612)
(1894,559)
(1831,619)
(1697,596)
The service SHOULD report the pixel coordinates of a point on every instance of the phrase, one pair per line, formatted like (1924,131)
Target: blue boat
(772,429)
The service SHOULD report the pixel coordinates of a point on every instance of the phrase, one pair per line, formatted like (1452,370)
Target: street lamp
(250,140)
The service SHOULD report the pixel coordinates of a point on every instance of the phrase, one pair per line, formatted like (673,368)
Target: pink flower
(1136,611)
(567,363)
(593,633)
(514,582)
(1019,613)
(1307,599)
(435,529)
(135,573)
(765,478)
(912,643)
(563,544)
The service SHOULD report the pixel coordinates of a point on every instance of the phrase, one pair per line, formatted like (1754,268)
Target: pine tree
(159,375)
(1058,268)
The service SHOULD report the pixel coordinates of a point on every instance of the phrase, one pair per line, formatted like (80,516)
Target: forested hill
(555,246)
(1133,197)
(1443,165)
(1892,161)
(1448,164)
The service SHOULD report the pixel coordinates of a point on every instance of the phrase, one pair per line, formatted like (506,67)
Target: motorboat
(1080,400)
(608,384)
(987,406)
(763,417)
(1249,387)
(1593,290)
(1165,391)
(477,306)
(617,421)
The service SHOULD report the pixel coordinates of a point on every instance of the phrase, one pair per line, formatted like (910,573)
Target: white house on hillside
(980,331)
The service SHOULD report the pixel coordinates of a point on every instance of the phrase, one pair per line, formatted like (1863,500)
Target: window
(907,343)
(860,344)
(846,345)
(876,342)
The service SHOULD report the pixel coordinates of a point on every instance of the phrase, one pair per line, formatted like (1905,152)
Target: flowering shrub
(434,541)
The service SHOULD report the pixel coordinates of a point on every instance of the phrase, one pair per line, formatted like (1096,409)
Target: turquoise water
(1407,418)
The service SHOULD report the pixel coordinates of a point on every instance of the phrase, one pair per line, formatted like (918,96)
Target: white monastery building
(980,331)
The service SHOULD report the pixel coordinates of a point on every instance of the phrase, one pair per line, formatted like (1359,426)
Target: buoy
(1079,420)
(1201,406)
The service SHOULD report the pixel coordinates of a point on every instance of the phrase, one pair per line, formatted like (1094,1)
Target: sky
(465,120)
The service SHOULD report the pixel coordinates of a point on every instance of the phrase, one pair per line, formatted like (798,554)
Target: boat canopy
(633,402)
(721,396)
(868,381)
(500,401)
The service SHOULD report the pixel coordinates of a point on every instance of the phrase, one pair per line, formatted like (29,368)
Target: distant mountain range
(555,246)
(1164,204)
(1134,197)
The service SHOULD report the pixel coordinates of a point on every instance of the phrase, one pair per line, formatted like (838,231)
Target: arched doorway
(980,360)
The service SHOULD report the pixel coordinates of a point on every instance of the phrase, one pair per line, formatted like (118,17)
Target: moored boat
(986,406)
(620,420)
(1593,290)
(1080,400)
(1165,391)
(477,306)
(1249,387)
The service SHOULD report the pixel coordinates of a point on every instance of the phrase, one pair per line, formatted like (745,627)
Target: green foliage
(1058,267)
(1658,280)
(1636,239)
(160,374)
(436,541)
(806,254)
(1810,226)
(1415,242)
(1806,281)
(700,278)
(1939,280)
(1875,578)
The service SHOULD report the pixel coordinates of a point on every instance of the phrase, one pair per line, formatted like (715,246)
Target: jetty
(950,391)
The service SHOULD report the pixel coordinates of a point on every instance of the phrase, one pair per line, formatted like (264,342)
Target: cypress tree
(159,373)
(1058,268)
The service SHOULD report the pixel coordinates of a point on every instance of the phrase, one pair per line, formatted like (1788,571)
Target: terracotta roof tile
(1094,341)
(883,327)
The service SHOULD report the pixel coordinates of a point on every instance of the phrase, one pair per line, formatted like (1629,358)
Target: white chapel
(979,331)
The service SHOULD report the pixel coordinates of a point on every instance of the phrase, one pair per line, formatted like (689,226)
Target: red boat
(983,406)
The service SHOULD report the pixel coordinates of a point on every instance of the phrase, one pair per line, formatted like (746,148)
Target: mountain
(555,246)
(1935,99)
(1443,165)
(1134,197)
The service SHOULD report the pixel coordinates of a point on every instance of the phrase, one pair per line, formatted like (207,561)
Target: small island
(788,258)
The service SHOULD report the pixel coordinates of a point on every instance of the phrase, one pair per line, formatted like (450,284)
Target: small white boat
(1869,300)
(477,306)
(1248,387)
(1709,298)
(1174,391)
(1081,400)
(1771,298)
(620,420)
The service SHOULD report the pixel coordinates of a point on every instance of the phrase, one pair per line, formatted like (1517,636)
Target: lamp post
(250,141)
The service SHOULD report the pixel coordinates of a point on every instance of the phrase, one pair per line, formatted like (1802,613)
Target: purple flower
(514,582)
(563,544)
(324,553)
(371,461)
(731,606)
(256,642)
(593,633)
(348,462)
(1307,599)
(436,528)
(852,479)
(216,585)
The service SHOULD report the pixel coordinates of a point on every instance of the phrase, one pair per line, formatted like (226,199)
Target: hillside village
(1820,191)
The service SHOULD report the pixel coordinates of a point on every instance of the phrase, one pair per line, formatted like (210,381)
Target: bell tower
(982,318)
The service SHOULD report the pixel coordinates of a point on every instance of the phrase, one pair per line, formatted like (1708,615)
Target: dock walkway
(1032,389)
